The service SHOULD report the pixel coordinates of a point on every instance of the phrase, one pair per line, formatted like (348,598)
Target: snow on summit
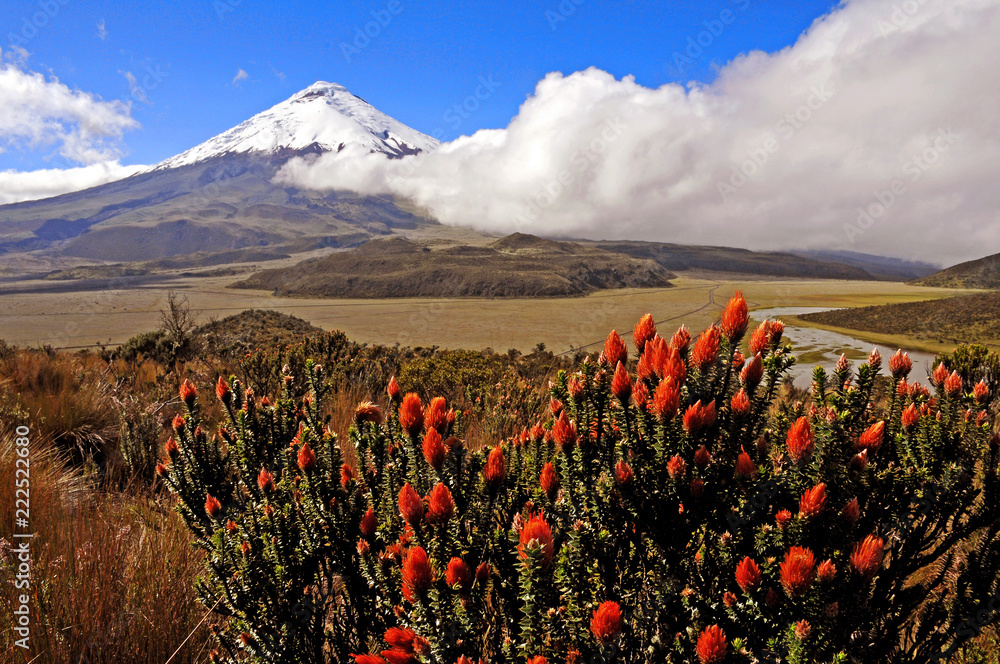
(326,114)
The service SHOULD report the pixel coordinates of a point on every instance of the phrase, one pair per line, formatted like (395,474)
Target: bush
(665,514)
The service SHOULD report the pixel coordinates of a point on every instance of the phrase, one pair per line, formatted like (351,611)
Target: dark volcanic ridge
(514,266)
(981,273)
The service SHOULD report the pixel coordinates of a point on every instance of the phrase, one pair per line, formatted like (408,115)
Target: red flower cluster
(606,622)
(748,574)
(537,530)
(800,440)
(711,646)
(867,555)
(798,570)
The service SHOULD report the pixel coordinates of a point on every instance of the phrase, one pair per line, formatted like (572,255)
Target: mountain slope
(980,273)
(681,258)
(325,116)
(219,196)
(514,266)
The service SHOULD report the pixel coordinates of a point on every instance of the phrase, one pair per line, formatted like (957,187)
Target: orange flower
(826,571)
(813,501)
(940,375)
(161,470)
(702,458)
(706,349)
(745,467)
(623,473)
(222,391)
(178,423)
(851,511)
(417,573)
(483,573)
(783,518)
(307,458)
(798,570)
(411,507)
(346,476)
(615,350)
(875,360)
(549,481)
(459,574)
(401,639)
(640,395)
(697,487)
(393,390)
(440,504)
(666,399)
(871,439)
(671,365)
(411,415)
(644,330)
(802,630)
(537,530)
(740,403)
(367,412)
(681,339)
(760,339)
(800,440)
(212,506)
(910,416)
(538,659)
(900,364)
(367,659)
(753,372)
(564,432)
(265,481)
(736,318)
(980,392)
(711,647)
(748,574)
(953,384)
(729,599)
(188,393)
(172,449)
(436,416)
(495,471)
(368,524)
(621,384)
(867,555)
(676,467)
(698,417)
(433,448)
(606,622)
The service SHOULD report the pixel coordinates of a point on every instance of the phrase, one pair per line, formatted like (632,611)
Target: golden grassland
(83,318)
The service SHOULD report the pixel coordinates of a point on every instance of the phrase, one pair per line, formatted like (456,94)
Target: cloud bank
(39,113)
(877,131)
(17,186)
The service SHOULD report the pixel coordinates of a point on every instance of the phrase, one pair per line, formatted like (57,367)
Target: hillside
(966,318)
(980,273)
(514,266)
(676,257)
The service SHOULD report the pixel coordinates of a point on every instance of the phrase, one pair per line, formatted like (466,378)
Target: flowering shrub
(665,512)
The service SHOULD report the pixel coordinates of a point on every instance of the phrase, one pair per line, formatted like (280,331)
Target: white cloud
(102,30)
(36,112)
(18,186)
(869,99)
(241,75)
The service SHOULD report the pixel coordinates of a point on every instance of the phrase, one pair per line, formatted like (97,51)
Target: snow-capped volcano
(324,114)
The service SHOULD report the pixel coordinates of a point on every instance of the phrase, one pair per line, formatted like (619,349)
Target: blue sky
(184,55)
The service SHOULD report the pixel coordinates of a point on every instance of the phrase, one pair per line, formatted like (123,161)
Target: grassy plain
(83,318)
